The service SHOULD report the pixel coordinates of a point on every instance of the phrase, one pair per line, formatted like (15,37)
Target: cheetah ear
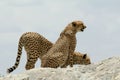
(74,24)
(84,56)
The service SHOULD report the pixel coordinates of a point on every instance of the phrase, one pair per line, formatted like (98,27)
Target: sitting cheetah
(62,51)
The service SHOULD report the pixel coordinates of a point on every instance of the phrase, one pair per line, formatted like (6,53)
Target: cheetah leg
(31,60)
(65,65)
(69,61)
(54,61)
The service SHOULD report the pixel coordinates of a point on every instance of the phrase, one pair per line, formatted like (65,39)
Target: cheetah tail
(17,59)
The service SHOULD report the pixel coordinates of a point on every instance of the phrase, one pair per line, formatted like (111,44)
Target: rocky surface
(108,69)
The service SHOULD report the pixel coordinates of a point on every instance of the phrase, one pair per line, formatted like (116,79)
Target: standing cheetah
(35,46)
(62,51)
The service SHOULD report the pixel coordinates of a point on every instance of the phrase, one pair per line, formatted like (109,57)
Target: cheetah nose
(85,27)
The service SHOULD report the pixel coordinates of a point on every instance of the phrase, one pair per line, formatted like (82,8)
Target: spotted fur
(79,58)
(62,51)
(35,46)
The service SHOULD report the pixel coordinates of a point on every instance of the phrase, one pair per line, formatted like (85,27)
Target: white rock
(16,77)
(108,69)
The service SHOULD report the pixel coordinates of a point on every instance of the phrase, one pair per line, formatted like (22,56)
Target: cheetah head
(81,59)
(78,26)
(85,59)
(74,27)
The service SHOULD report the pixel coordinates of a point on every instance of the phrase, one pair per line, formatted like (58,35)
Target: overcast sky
(100,40)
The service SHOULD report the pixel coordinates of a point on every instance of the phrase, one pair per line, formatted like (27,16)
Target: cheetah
(35,46)
(79,58)
(62,51)
(32,40)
